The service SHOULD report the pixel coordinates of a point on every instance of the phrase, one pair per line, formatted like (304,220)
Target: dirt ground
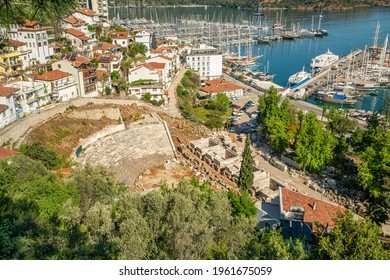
(153,177)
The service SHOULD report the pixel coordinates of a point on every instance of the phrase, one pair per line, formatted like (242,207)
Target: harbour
(348,31)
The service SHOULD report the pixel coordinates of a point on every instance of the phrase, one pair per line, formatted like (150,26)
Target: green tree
(245,178)
(313,144)
(14,11)
(351,239)
(39,152)
(242,204)
(338,122)
(148,97)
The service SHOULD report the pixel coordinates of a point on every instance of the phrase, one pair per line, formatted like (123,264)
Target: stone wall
(290,162)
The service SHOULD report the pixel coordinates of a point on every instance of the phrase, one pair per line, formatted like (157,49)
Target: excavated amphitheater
(132,149)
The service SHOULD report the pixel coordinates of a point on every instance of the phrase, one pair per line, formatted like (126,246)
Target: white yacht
(299,77)
(323,60)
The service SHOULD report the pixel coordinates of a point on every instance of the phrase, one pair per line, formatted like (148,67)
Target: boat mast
(376,37)
(383,56)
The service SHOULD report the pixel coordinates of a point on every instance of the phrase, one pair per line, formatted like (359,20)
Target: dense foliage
(212,112)
(45,11)
(91,215)
(305,134)
(351,239)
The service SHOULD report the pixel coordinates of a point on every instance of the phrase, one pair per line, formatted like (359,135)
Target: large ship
(299,77)
(323,60)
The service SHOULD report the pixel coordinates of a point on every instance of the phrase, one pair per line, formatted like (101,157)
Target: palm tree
(126,65)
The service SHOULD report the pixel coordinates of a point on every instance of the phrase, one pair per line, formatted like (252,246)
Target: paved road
(173,106)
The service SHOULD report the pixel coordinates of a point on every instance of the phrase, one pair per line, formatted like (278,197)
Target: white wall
(143,73)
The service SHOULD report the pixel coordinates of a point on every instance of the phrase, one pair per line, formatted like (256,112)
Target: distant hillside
(289,4)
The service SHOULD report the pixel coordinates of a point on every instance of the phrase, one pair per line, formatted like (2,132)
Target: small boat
(333,97)
(263,40)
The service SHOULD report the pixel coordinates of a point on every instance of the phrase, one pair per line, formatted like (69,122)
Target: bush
(148,97)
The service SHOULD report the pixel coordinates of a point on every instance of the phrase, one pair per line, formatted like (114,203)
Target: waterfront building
(7,105)
(63,85)
(206,60)
(83,73)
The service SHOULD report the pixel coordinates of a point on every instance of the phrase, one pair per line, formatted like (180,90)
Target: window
(28,35)
(45,43)
(59,66)
(33,45)
(39,44)
(38,36)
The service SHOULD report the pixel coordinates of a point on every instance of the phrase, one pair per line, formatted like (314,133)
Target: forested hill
(301,4)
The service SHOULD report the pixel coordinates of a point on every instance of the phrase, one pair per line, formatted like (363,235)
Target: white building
(109,62)
(21,47)
(80,40)
(83,74)
(63,85)
(87,15)
(98,6)
(37,41)
(7,105)
(144,73)
(145,38)
(216,86)
(206,60)
(156,90)
(31,95)
(170,64)
(121,39)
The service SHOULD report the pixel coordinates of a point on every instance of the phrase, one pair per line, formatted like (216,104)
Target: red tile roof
(75,21)
(35,29)
(102,74)
(161,50)
(216,81)
(86,12)
(53,75)
(74,32)
(58,44)
(85,38)
(3,108)
(6,153)
(323,213)
(222,87)
(7,91)
(119,35)
(105,46)
(16,43)
(154,65)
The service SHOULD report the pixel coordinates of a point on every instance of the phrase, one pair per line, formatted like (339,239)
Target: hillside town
(158,111)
